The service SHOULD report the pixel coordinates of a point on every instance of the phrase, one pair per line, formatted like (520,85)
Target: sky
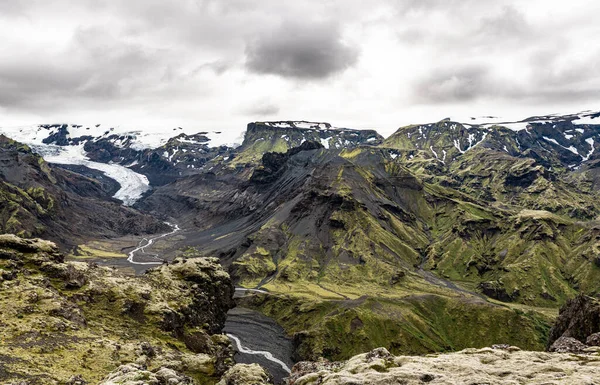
(219,64)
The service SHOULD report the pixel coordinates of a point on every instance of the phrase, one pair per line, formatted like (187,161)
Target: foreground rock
(137,374)
(470,366)
(579,320)
(246,374)
(73,322)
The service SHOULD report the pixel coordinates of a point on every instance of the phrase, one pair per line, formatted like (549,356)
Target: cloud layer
(219,64)
(300,51)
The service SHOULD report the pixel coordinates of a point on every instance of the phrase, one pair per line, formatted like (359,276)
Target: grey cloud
(508,23)
(547,82)
(301,51)
(218,67)
(261,109)
(94,66)
(12,8)
(153,52)
(453,85)
(553,68)
(417,7)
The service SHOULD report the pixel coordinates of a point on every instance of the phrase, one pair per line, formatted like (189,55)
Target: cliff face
(73,321)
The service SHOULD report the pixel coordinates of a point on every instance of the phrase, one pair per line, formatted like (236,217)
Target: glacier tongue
(133,185)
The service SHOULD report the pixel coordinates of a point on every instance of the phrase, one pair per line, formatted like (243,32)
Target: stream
(146,242)
(255,337)
(259,339)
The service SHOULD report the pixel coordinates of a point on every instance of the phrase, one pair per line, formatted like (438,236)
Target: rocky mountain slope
(354,238)
(165,159)
(41,200)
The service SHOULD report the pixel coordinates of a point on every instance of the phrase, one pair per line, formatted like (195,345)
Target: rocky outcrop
(133,374)
(470,366)
(567,345)
(67,319)
(246,374)
(274,163)
(579,319)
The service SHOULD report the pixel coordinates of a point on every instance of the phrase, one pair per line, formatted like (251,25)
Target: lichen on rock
(63,320)
(246,374)
(469,366)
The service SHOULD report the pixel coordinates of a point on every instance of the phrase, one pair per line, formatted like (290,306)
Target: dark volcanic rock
(579,318)
(60,137)
(274,162)
(497,291)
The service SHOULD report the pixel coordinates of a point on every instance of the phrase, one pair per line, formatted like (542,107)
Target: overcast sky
(218,64)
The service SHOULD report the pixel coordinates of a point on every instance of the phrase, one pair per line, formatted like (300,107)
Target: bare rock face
(469,366)
(579,318)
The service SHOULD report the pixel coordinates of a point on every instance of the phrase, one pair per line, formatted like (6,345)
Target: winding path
(149,241)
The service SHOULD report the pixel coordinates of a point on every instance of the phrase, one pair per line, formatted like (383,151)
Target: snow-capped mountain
(554,140)
(138,159)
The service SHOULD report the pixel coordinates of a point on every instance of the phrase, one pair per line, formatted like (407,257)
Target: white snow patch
(570,148)
(586,120)
(434,153)
(518,126)
(551,140)
(471,138)
(325,142)
(590,141)
(457,145)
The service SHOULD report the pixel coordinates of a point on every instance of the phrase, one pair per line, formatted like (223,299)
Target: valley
(441,237)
